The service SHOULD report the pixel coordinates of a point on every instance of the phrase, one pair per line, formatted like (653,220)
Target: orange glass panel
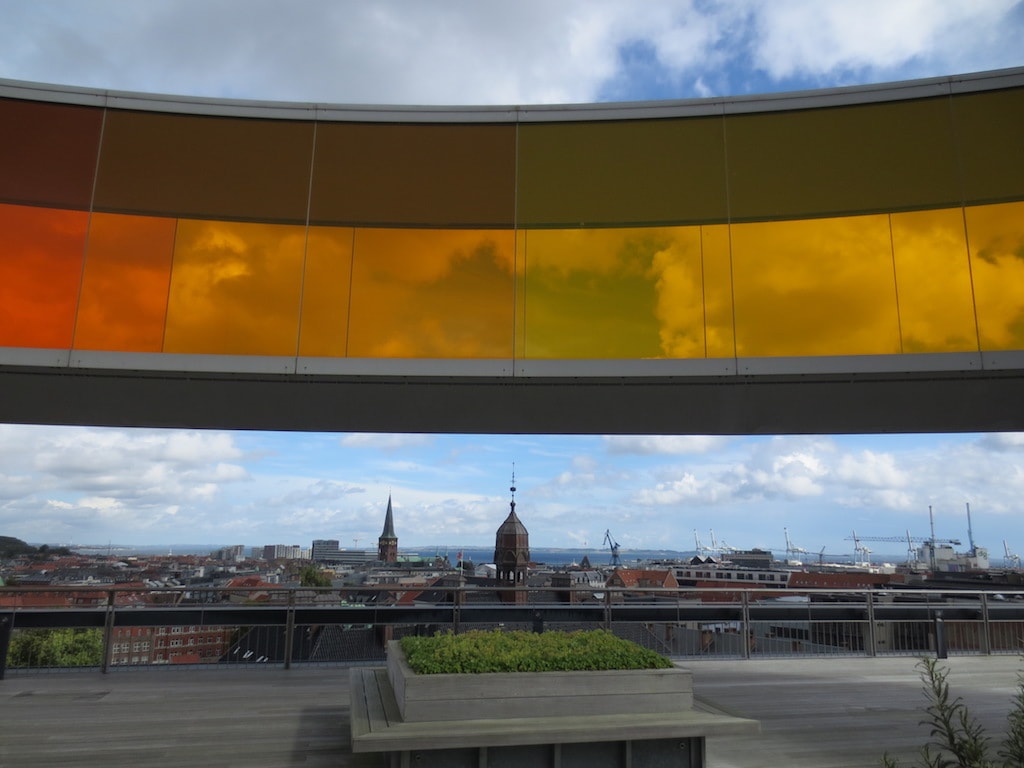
(720,335)
(235,288)
(857,159)
(48,153)
(325,292)
(40,270)
(621,172)
(432,293)
(614,293)
(988,128)
(206,167)
(817,287)
(933,278)
(996,236)
(124,287)
(414,175)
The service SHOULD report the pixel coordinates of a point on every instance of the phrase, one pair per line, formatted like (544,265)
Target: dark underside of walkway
(823,713)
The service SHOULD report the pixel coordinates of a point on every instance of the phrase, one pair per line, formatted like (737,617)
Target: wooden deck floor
(825,713)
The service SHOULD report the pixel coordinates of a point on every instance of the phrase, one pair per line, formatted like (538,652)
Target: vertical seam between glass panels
(305,244)
(515,252)
(728,229)
(88,230)
(895,282)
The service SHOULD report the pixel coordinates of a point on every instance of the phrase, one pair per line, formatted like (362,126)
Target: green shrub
(957,739)
(478,652)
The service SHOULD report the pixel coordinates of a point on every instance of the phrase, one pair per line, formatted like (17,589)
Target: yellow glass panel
(325,292)
(621,172)
(432,293)
(235,288)
(933,280)
(991,147)
(996,236)
(40,270)
(815,287)
(720,335)
(858,159)
(124,288)
(614,293)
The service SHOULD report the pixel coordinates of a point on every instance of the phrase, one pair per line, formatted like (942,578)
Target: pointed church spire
(389,522)
(387,544)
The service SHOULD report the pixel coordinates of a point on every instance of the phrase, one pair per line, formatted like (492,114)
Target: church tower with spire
(387,543)
(512,553)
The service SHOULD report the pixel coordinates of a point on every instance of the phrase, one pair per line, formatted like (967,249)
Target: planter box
(504,695)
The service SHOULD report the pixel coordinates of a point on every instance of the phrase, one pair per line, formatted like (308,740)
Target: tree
(311,576)
(56,648)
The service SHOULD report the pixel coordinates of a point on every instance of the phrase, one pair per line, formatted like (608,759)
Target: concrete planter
(504,695)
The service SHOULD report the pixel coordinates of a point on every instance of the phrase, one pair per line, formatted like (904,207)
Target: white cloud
(384,441)
(663,444)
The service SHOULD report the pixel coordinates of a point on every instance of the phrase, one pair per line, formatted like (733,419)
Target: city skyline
(146,486)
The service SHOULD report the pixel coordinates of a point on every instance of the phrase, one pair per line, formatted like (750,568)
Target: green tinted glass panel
(205,167)
(432,293)
(990,140)
(996,235)
(613,293)
(235,288)
(817,287)
(48,153)
(40,271)
(874,157)
(933,280)
(325,292)
(621,172)
(419,175)
(124,288)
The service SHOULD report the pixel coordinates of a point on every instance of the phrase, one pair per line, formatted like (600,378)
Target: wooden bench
(674,738)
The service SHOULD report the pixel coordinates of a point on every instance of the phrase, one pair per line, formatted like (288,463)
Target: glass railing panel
(841,160)
(815,287)
(996,237)
(933,281)
(123,306)
(414,175)
(40,271)
(621,172)
(235,288)
(432,293)
(48,153)
(204,167)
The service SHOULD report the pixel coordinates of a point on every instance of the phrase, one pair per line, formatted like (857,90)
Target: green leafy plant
(958,740)
(480,652)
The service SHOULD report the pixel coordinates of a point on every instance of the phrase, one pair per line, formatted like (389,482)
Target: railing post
(745,629)
(289,630)
(6,627)
(872,639)
(986,627)
(108,632)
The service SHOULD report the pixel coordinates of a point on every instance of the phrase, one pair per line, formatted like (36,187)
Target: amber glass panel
(933,280)
(614,293)
(817,287)
(621,172)
(124,287)
(40,270)
(325,292)
(206,167)
(874,157)
(991,144)
(996,236)
(426,175)
(48,153)
(720,336)
(432,293)
(235,288)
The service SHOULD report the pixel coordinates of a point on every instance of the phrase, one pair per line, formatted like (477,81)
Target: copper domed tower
(512,553)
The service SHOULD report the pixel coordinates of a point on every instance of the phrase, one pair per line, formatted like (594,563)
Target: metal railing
(113,627)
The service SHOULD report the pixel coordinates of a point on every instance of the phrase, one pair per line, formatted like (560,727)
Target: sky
(142,486)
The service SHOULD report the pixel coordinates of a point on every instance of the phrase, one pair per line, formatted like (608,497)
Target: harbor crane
(792,549)
(613,545)
(1010,557)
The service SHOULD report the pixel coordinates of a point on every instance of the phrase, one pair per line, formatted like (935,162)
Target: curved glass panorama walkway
(728,262)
